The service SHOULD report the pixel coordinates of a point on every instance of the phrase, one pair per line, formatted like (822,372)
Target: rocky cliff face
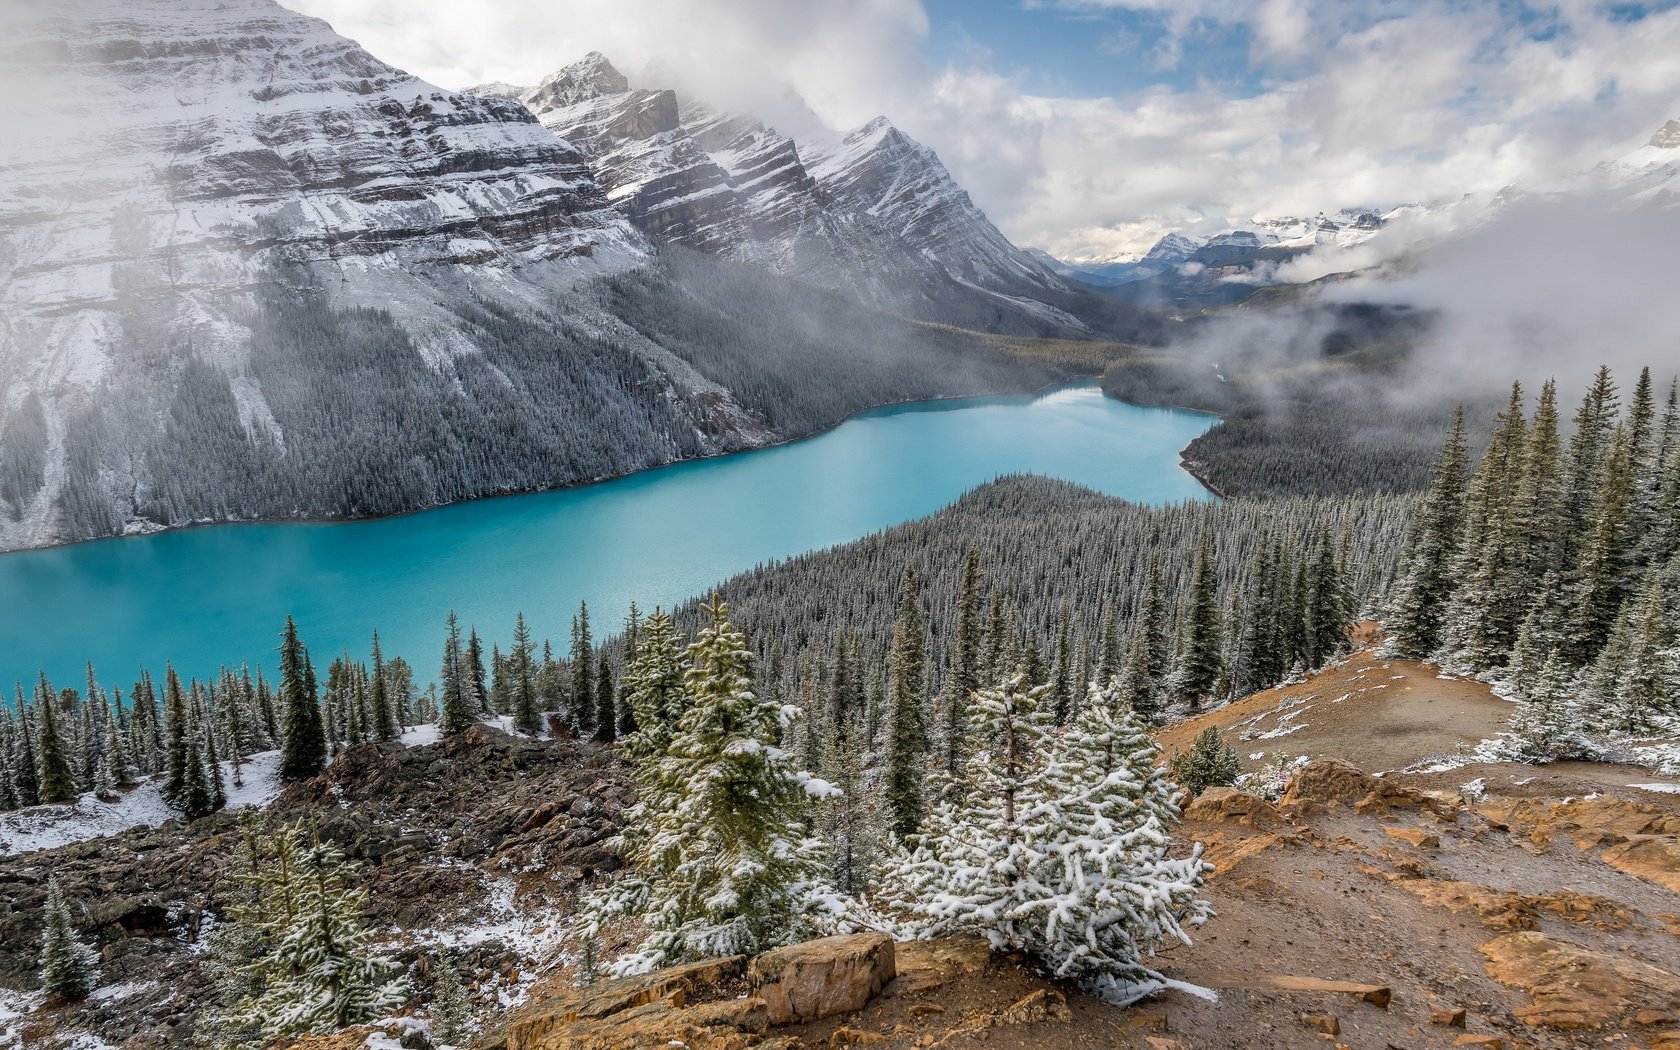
(871,212)
(184,140)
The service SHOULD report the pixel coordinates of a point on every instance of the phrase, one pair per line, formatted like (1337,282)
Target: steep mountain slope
(872,213)
(248,270)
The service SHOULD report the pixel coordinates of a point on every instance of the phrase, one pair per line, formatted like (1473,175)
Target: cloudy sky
(1089,127)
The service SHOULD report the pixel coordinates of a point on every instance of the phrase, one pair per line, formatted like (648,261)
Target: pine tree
(67,964)
(57,783)
(963,676)
(1420,605)
(26,780)
(1134,688)
(451,1008)
(1152,624)
(1600,578)
(583,670)
(720,865)
(845,821)
(303,746)
(524,694)
(1485,610)
(1202,652)
(177,755)
(1644,685)
(200,786)
(460,711)
(1327,610)
(1540,509)
(657,693)
(315,970)
(606,702)
(1210,762)
(1058,849)
(386,723)
(478,694)
(632,638)
(1548,728)
(1109,892)
(905,738)
(969,868)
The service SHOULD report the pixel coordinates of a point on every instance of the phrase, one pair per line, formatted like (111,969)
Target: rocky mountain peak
(590,77)
(1174,247)
(1667,136)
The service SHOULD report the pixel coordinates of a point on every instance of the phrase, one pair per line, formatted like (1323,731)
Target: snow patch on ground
(1666,789)
(47,827)
(535,935)
(420,735)
(14,1008)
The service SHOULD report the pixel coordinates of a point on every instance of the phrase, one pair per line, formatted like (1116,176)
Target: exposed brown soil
(1379,714)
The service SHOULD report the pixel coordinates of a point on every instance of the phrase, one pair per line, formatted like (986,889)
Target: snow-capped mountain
(872,211)
(1651,172)
(1344,229)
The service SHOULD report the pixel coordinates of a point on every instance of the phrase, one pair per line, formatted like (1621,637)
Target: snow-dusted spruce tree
(67,964)
(719,862)
(313,969)
(967,869)
(1109,891)
(1060,847)
(1548,728)
(1210,762)
(451,1008)
(655,681)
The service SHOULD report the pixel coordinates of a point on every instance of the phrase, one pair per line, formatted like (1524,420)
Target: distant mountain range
(1181,272)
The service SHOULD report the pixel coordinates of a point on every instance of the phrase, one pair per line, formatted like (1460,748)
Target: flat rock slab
(1577,987)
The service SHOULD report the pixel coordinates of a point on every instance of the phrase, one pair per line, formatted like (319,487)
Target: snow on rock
(47,827)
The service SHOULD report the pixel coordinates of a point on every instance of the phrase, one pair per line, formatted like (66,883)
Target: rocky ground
(471,848)
(1359,910)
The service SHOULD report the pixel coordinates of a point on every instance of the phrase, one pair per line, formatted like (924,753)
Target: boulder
(1654,858)
(824,977)
(1577,987)
(1328,780)
(1509,910)
(1219,804)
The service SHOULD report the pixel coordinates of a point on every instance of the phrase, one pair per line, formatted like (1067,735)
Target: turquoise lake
(203,597)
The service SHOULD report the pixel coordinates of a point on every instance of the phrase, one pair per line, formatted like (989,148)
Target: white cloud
(1360,102)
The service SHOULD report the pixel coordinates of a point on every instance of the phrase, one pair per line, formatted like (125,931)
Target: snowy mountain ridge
(871,211)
